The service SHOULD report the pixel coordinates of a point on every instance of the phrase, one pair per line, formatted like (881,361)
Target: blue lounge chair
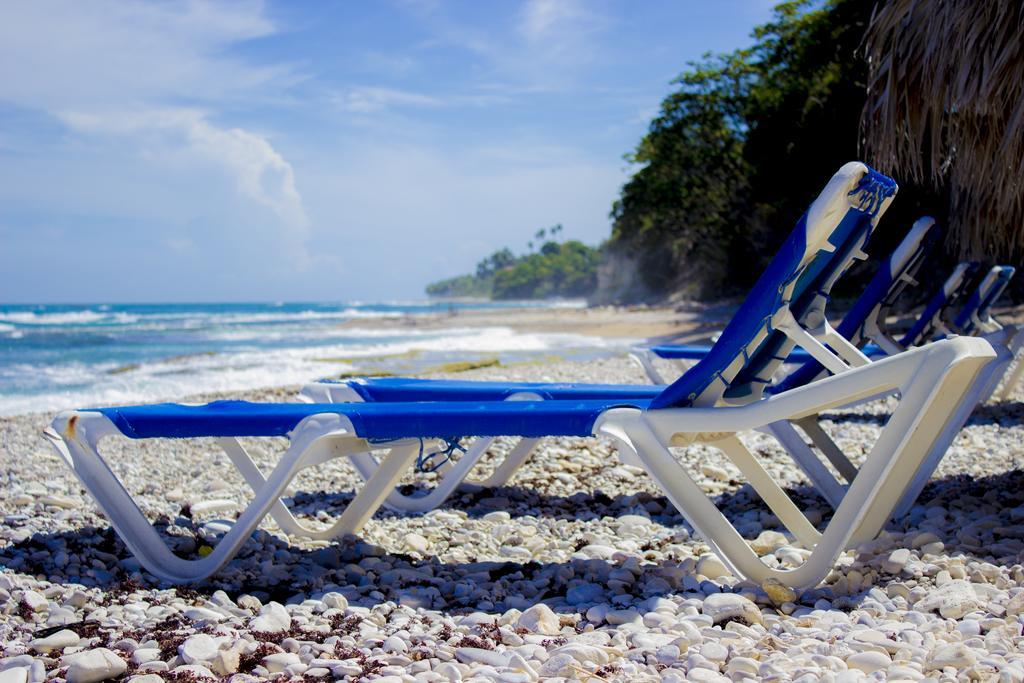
(931,321)
(719,397)
(864,324)
(865,318)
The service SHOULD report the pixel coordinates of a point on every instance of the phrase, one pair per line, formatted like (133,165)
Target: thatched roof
(946,107)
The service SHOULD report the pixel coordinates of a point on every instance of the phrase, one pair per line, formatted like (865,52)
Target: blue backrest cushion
(1003,278)
(924,327)
(821,246)
(906,261)
(887,281)
(979,303)
(850,236)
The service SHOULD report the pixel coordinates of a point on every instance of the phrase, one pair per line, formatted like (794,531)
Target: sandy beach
(579,569)
(685,321)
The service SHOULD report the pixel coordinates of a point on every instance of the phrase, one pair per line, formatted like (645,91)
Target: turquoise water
(62,356)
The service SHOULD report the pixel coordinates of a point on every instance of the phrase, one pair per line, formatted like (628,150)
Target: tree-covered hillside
(557,269)
(739,149)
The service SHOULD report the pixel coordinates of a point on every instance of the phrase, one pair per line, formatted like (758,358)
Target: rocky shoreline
(580,569)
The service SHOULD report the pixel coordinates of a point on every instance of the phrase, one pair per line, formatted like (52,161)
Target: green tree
(740,148)
(566,269)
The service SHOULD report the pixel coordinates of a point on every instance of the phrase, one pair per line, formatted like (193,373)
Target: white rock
(724,607)
(743,665)
(956,655)
(617,617)
(204,507)
(701,675)
(896,561)
(416,543)
(869,661)
(145,654)
(644,640)
(712,567)
(146,678)
(89,666)
(447,671)
(875,638)
(15,674)
(598,552)
(198,649)
(335,600)
(953,599)
(277,662)
(203,614)
(714,472)
(64,502)
(273,618)
(778,592)
(540,619)
(225,662)
(35,601)
(597,613)
(518,663)
(1016,604)
(249,602)
(584,653)
(395,645)
(197,670)
(1011,674)
(558,665)
(922,539)
(56,641)
(768,542)
(715,652)
(477,655)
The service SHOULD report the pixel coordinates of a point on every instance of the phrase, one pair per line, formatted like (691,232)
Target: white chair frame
(930,382)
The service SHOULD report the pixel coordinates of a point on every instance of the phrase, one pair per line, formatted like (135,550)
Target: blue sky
(159,151)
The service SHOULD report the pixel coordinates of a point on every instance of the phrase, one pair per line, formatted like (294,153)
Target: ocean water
(54,357)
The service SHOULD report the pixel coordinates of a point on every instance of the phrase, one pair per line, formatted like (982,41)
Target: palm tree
(945,107)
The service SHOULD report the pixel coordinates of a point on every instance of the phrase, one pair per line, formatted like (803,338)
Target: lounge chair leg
(935,455)
(930,396)
(645,359)
(1013,379)
(636,435)
(1014,365)
(515,458)
(395,464)
(810,425)
(250,471)
(808,461)
(348,523)
(771,493)
(77,445)
(451,480)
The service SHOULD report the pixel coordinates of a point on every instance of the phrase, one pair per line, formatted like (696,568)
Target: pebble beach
(579,570)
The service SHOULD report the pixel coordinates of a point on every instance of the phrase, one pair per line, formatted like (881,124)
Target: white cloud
(363,100)
(120,69)
(259,172)
(56,53)
(547,44)
(543,18)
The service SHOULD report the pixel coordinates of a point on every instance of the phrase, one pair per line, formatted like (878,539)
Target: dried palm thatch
(946,107)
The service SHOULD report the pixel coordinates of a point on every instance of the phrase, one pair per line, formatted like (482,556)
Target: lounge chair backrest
(892,277)
(904,264)
(979,306)
(951,290)
(824,243)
